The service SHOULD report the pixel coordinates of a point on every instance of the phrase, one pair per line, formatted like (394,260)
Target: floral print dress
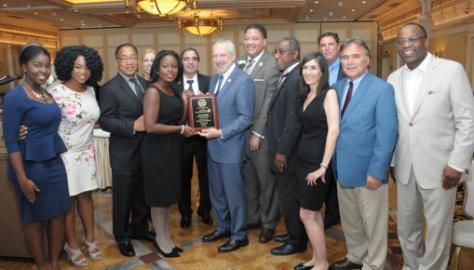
(79,113)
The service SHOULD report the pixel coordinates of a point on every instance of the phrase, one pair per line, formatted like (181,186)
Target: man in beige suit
(260,185)
(435,107)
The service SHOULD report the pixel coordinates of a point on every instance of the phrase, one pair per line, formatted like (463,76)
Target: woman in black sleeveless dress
(318,114)
(164,110)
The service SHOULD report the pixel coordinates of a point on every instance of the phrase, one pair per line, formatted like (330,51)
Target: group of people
(296,135)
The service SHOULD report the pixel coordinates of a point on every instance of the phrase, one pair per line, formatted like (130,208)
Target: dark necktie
(190,85)
(219,82)
(248,66)
(138,88)
(282,78)
(348,98)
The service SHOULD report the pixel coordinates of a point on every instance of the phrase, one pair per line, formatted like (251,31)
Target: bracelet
(182,129)
(323,166)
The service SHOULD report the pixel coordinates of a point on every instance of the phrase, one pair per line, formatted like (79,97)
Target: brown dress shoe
(345,264)
(266,235)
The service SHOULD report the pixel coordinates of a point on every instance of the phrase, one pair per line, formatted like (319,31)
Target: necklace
(40,96)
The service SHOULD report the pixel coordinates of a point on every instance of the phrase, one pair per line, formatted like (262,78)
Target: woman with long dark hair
(35,168)
(318,114)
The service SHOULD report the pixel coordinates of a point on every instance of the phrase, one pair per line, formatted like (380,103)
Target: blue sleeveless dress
(40,151)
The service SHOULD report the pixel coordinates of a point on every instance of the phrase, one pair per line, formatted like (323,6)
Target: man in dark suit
(329,47)
(282,135)
(121,104)
(262,200)
(194,146)
(226,146)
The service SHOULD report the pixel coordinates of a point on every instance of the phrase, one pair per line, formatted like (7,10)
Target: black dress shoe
(126,248)
(266,235)
(173,254)
(301,266)
(232,245)
(345,264)
(281,238)
(178,249)
(185,221)
(214,236)
(206,218)
(147,236)
(287,249)
(329,222)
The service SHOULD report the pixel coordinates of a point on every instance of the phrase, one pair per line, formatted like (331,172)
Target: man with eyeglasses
(121,105)
(435,109)
(282,131)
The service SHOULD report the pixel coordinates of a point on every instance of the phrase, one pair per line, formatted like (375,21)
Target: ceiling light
(363,2)
(36,12)
(311,10)
(161,7)
(331,13)
(353,10)
(316,2)
(201,27)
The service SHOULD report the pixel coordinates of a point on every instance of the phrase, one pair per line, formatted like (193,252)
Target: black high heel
(173,254)
(178,249)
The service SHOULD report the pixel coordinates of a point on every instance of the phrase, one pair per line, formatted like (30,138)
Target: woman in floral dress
(79,68)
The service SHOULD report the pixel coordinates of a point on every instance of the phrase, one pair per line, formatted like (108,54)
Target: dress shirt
(195,84)
(255,61)
(334,71)
(286,72)
(355,85)
(131,84)
(412,81)
(224,78)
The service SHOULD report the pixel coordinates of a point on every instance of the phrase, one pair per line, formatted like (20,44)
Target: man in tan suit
(435,109)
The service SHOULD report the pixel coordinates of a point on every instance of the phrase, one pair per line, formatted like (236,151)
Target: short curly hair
(66,57)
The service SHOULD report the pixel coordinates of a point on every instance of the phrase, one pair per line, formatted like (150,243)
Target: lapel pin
(430,92)
(260,64)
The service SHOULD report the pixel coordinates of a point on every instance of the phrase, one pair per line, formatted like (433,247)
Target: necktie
(190,85)
(138,88)
(248,66)
(219,82)
(348,98)
(282,78)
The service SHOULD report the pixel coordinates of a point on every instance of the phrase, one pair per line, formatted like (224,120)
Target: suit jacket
(368,132)
(203,83)
(119,107)
(282,127)
(235,103)
(265,77)
(440,131)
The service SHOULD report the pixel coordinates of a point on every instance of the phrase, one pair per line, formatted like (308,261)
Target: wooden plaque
(202,112)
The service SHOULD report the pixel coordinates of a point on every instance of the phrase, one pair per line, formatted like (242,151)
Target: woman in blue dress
(35,168)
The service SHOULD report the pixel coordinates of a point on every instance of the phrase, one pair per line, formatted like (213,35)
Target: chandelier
(201,27)
(160,7)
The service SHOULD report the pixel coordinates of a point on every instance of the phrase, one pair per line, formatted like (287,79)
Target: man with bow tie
(195,147)
(435,109)
(226,146)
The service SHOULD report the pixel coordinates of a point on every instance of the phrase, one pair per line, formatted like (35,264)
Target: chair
(463,231)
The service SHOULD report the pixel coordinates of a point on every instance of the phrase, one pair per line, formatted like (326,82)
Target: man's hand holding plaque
(202,112)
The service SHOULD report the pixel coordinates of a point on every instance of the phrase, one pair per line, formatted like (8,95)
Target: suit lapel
(359,94)
(126,88)
(228,82)
(424,86)
(201,85)
(258,67)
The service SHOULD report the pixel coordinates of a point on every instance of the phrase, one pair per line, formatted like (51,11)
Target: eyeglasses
(411,40)
(281,51)
(125,59)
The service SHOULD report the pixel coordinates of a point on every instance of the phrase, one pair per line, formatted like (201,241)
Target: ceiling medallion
(201,27)
(160,7)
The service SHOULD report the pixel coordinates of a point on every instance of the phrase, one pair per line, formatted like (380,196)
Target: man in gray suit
(435,109)
(226,146)
(260,185)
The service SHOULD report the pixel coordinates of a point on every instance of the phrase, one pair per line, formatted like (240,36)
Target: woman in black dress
(318,114)
(164,110)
